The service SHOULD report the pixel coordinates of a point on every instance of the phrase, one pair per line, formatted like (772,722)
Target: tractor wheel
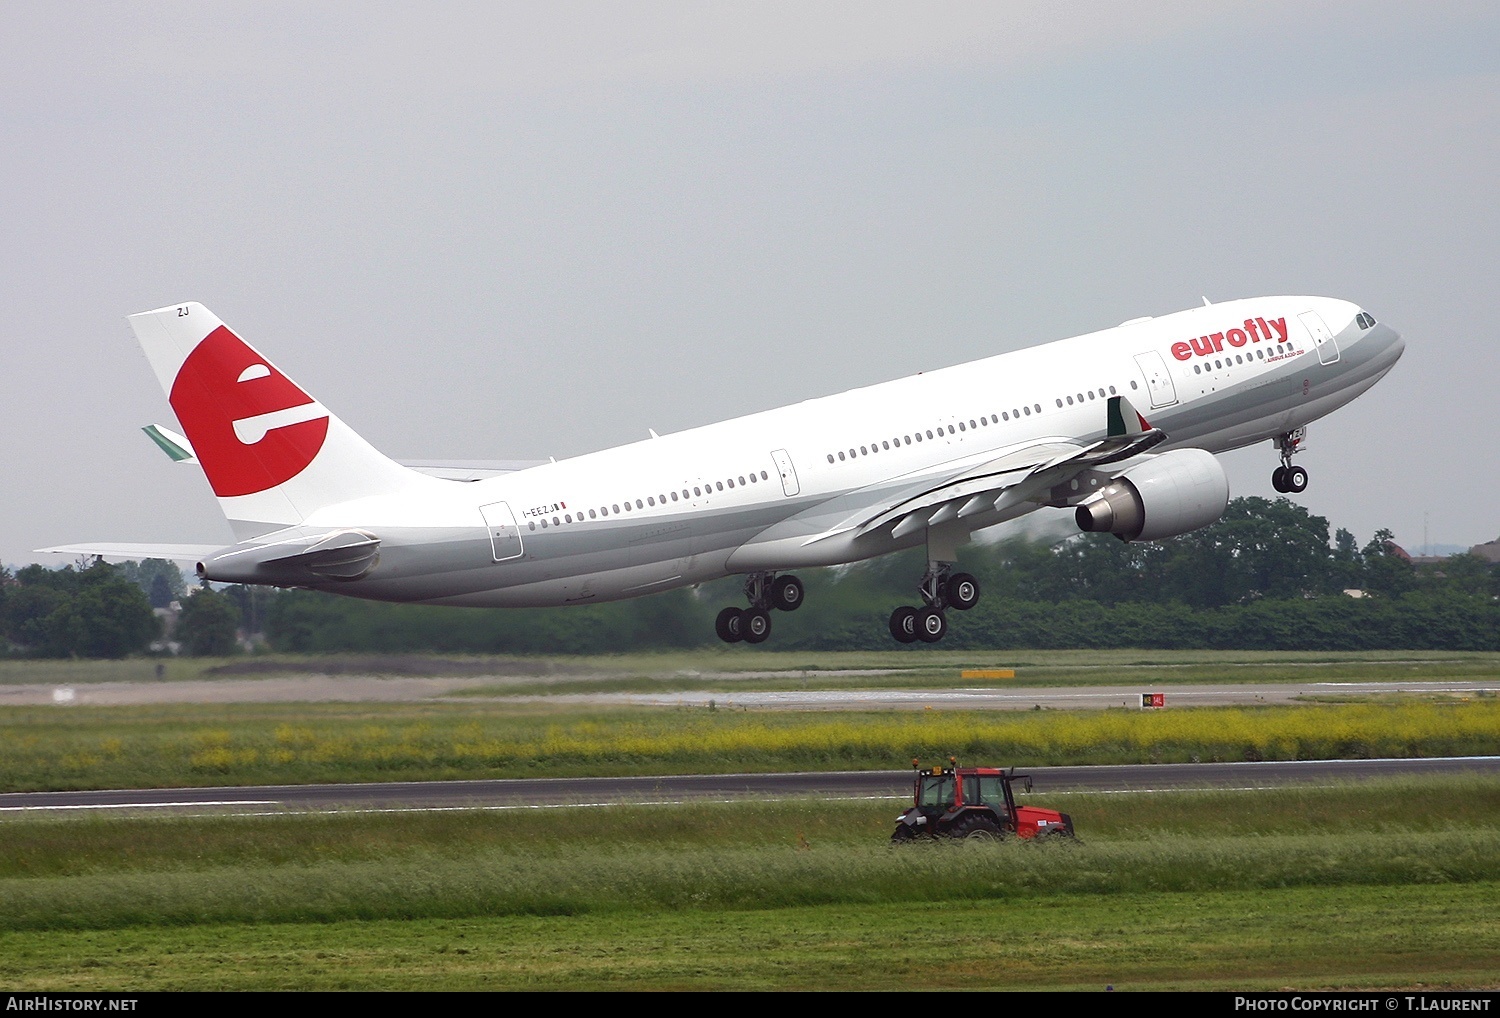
(978,829)
(903,835)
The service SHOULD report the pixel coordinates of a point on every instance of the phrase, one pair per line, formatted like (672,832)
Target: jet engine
(1167,495)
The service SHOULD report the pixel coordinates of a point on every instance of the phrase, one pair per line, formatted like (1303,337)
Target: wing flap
(1030,473)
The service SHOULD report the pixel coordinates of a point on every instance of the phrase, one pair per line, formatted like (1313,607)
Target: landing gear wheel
(729,625)
(978,830)
(1295,480)
(932,625)
(904,624)
(787,593)
(963,591)
(1278,479)
(755,624)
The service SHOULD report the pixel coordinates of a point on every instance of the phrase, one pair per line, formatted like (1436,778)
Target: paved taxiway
(372,689)
(534,793)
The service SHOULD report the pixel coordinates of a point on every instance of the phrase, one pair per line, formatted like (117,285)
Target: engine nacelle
(1167,495)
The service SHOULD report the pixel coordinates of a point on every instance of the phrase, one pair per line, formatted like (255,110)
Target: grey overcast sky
(498,230)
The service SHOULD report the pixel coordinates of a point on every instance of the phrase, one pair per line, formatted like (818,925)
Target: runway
(543,793)
(381,689)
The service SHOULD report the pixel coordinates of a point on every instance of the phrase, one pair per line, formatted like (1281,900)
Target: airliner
(1120,425)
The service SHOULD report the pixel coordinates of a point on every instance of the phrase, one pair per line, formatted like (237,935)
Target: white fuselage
(784,489)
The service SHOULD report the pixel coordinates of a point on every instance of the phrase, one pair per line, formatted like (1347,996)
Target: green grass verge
(1390,883)
(193,745)
(727,668)
(1418,936)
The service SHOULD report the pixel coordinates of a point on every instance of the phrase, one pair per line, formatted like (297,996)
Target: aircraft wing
(181,451)
(1031,473)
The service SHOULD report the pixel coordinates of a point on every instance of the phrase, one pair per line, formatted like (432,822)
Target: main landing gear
(1287,478)
(941,590)
(765,592)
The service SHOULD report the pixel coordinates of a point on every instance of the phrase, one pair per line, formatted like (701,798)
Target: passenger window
(929,433)
(674,496)
(591,514)
(1134,386)
(730,482)
(556,522)
(544,523)
(1070,401)
(742,480)
(531,524)
(951,431)
(971,424)
(830,457)
(719,485)
(650,499)
(887,445)
(569,517)
(697,491)
(1111,390)
(864,450)
(763,476)
(1028,411)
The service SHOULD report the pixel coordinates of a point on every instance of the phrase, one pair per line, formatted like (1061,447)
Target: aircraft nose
(1391,341)
(1387,343)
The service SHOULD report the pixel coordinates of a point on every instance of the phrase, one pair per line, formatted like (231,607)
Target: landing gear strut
(941,589)
(1287,478)
(764,591)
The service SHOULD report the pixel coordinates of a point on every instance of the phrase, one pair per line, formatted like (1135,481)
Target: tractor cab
(974,802)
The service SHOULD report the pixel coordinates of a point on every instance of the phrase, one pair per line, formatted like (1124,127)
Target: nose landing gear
(1287,478)
(765,592)
(940,590)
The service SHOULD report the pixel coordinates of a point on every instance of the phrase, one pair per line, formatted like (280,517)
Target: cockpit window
(1365,320)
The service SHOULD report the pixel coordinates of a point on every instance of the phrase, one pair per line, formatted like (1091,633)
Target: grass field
(1383,884)
(1377,884)
(177,745)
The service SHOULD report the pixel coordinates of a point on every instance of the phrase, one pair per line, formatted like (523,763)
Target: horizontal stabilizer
(136,552)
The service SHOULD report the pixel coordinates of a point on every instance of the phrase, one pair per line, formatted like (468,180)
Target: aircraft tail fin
(272,454)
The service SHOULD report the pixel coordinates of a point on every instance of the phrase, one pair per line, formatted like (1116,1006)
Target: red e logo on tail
(250,425)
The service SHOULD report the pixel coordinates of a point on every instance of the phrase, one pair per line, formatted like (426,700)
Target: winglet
(176,446)
(1124,419)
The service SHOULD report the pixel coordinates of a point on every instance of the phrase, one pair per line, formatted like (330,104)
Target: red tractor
(974,802)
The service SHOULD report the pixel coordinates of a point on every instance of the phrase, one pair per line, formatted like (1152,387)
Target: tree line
(1268,575)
